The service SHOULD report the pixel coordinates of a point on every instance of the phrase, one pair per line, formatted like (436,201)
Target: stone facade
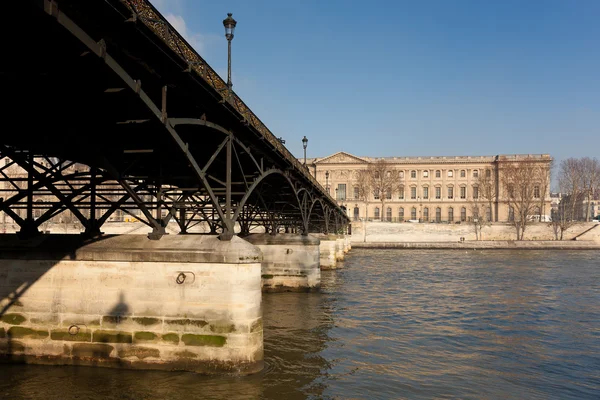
(435,189)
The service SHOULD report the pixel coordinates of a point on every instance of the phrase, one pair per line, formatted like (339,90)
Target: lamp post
(304,144)
(327,181)
(229,23)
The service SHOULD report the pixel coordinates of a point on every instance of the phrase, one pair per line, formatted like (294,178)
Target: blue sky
(411,78)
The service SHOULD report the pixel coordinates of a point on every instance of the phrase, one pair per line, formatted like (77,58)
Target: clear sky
(411,78)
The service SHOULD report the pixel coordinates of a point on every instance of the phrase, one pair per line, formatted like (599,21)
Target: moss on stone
(222,328)
(93,351)
(112,337)
(171,337)
(257,326)
(267,276)
(92,322)
(51,319)
(21,332)
(63,334)
(146,321)
(186,354)
(204,340)
(139,352)
(195,322)
(13,319)
(147,336)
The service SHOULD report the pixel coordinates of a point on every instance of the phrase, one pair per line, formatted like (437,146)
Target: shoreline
(484,245)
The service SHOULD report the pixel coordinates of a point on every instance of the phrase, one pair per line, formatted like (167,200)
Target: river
(396,324)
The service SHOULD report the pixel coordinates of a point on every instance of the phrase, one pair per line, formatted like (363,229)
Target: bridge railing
(149,16)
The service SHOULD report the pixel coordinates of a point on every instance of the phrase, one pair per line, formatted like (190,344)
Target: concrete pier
(186,302)
(290,262)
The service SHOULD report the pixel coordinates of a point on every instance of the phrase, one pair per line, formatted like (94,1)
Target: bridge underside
(103,116)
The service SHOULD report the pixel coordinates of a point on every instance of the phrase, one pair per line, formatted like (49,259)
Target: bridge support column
(290,262)
(186,302)
(347,243)
(340,245)
(327,250)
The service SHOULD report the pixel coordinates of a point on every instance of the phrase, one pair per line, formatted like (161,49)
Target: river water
(396,324)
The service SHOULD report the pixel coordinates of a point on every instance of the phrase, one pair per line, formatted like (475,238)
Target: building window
(426,214)
(376,194)
(488,214)
(388,194)
(388,174)
(356,192)
(450,214)
(538,213)
(413,174)
(341,191)
(450,192)
(401,174)
(438,214)
(438,192)
(438,173)
(463,173)
(413,192)
(425,192)
(401,193)
(388,214)
(401,214)
(536,192)
(511,214)
(413,213)
(463,214)
(356,211)
(511,190)
(450,174)
(425,174)
(376,212)
(488,173)
(376,174)
(475,192)
(463,192)
(475,173)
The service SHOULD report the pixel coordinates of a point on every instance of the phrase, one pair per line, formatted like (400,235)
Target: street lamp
(304,144)
(327,181)
(229,23)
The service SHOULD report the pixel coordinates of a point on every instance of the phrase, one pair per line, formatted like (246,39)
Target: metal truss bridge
(107,108)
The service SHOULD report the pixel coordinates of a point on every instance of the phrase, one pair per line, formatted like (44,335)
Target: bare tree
(570,181)
(563,217)
(545,179)
(363,185)
(519,181)
(486,183)
(478,221)
(383,182)
(590,181)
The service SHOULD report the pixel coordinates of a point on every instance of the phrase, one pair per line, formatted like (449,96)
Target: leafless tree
(478,220)
(363,185)
(519,181)
(570,181)
(486,182)
(383,182)
(563,217)
(590,181)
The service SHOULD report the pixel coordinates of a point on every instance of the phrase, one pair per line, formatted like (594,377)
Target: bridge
(109,110)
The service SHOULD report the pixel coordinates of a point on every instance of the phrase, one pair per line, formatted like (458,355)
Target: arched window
(413,213)
(388,214)
(426,214)
(401,192)
(475,173)
(488,214)
(413,174)
(511,214)
(425,191)
(401,214)
(438,214)
(463,214)
(438,173)
(450,214)
(388,194)
(536,192)
(376,212)
(356,212)
(463,173)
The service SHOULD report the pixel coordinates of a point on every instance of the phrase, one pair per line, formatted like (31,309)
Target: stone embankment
(486,245)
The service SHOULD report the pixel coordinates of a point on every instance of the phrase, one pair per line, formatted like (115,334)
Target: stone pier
(186,302)
(327,250)
(340,246)
(290,262)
